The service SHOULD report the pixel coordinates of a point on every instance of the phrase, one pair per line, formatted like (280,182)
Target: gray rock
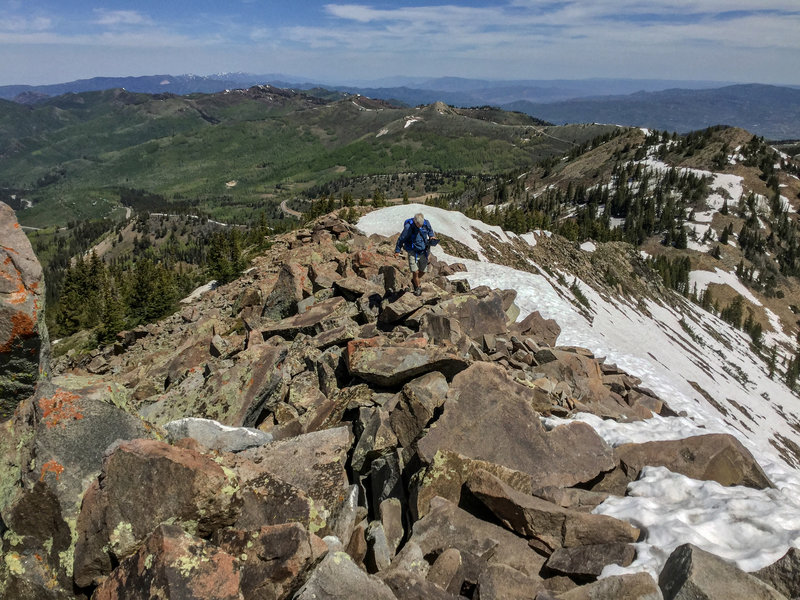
(216,436)
(694,574)
(291,287)
(379,554)
(338,577)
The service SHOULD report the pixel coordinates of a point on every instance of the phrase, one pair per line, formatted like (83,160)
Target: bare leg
(415,279)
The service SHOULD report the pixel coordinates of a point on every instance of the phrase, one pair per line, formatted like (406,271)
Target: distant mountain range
(770,111)
(674,105)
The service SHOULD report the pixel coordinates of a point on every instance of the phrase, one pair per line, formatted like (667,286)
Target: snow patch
(195,295)
(702,279)
(588,246)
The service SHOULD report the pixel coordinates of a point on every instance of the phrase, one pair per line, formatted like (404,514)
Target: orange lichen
(60,408)
(22,326)
(52,466)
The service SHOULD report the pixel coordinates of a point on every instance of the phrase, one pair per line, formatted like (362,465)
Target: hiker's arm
(402,238)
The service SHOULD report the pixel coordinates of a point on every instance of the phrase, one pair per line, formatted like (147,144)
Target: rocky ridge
(312,431)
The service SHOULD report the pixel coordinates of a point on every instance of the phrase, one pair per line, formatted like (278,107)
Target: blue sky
(728,40)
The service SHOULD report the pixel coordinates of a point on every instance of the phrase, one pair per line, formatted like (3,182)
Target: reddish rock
(714,457)
(319,317)
(477,314)
(144,483)
(312,462)
(274,561)
(551,525)
(23,335)
(635,586)
(390,366)
(544,331)
(173,564)
(489,417)
(479,542)
(589,561)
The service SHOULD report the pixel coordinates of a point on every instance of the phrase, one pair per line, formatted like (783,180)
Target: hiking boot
(418,291)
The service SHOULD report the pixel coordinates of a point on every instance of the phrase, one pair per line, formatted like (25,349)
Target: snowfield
(685,355)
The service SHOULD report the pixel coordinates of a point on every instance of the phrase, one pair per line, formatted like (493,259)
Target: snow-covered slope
(699,364)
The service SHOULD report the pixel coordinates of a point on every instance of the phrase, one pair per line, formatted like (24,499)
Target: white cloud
(116,18)
(20,24)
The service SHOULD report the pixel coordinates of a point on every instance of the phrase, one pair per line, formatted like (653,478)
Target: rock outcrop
(24,345)
(311,430)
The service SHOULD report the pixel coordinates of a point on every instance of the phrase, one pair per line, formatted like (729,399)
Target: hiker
(416,239)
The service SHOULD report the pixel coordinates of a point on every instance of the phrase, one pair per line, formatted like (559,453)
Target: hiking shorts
(417,262)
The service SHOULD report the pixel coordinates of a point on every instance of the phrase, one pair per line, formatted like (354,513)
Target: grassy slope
(75,151)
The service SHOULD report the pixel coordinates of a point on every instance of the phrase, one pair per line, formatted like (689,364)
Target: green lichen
(122,538)
(316,518)
(148,561)
(14,564)
(186,563)
(66,558)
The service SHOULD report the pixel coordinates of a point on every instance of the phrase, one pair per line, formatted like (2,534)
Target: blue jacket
(415,239)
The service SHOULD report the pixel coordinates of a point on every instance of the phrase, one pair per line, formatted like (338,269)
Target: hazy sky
(49,41)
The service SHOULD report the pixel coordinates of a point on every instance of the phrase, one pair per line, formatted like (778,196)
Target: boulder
(312,462)
(173,564)
(636,586)
(406,303)
(268,500)
(783,574)
(319,317)
(38,539)
(273,561)
(216,436)
(589,561)
(352,288)
(390,366)
(544,331)
(409,586)
(236,396)
(716,457)
(550,525)
(477,314)
(479,542)
(23,335)
(292,286)
(499,582)
(694,574)
(488,417)
(376,439)
(338,577)
(441,329)
(144,483)
(446,571)
(416,405)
